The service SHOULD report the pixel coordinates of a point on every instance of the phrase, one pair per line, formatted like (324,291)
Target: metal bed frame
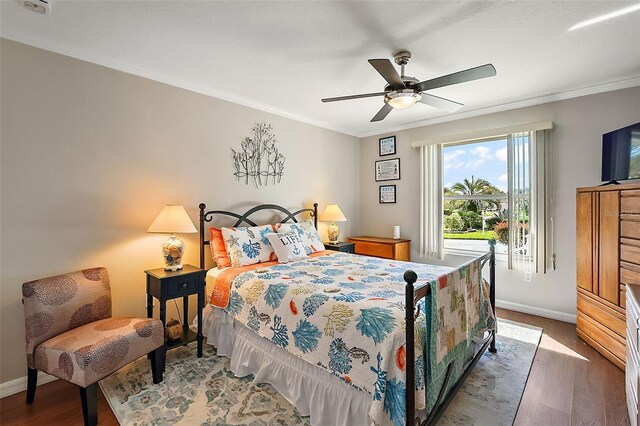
(413,294)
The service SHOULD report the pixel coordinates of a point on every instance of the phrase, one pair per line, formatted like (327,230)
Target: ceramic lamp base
(333,232)
(172,251)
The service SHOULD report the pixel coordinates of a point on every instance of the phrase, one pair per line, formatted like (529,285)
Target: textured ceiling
(284,57)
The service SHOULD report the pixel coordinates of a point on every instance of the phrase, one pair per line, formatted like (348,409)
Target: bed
(330,332)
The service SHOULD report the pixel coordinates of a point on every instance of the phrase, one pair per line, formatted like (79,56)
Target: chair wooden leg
(157,363)
(32,383)
(89,397)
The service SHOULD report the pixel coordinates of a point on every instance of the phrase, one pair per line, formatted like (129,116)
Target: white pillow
(248,245)
(307,232)
(288,247)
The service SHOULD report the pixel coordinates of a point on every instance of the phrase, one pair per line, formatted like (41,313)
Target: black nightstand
(340,246)
(166,285)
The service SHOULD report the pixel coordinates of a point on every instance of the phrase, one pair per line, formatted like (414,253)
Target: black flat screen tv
(621,154)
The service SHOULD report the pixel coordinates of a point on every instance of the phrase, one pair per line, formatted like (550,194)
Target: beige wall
(579,125)
(90,155)
(85,152)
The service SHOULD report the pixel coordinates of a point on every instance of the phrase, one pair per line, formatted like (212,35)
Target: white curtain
(530,198)
(431,237)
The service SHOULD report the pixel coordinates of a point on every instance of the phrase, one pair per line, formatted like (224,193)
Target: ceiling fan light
(402,99)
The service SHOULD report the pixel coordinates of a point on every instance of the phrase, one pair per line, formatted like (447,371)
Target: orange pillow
(218,249)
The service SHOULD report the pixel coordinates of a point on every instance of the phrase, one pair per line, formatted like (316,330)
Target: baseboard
(533,310)
(18,385)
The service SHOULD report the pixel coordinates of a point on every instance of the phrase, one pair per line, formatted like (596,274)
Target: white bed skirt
(313,391)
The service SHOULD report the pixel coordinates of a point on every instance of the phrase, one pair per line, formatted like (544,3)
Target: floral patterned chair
(71,335)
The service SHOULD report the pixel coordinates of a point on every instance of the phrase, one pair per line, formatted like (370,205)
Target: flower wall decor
(259,160)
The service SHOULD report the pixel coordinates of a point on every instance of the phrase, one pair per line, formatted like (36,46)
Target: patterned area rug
(205,392)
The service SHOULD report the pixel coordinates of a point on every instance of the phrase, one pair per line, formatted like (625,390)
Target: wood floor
(570,384)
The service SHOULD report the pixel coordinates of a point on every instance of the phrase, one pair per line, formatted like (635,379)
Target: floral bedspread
(345,314)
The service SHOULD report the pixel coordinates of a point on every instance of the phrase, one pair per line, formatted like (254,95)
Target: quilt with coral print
(345,314)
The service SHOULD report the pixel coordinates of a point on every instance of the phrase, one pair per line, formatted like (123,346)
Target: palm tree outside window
(474,194)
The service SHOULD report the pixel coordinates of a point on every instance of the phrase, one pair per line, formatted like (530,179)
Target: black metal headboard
(244,218)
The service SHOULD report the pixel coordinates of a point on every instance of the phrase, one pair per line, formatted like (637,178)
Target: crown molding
(176,81)
(170,80)
(555,97)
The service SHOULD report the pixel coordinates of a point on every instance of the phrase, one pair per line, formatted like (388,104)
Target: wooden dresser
(387,248)
(608,258)
(633,354)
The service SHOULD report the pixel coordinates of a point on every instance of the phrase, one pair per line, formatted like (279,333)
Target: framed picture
(388,169)
(387,146)
(387,194)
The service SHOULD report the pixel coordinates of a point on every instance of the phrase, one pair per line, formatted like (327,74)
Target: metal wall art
(259,160)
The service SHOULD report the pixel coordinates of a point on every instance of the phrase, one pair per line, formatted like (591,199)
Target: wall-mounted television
(621,154)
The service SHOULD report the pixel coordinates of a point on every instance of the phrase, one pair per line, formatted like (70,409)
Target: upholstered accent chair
(71,334)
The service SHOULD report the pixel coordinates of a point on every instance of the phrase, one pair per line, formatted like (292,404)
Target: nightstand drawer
(182,288)
(386,248)
(374,249)
(341,247)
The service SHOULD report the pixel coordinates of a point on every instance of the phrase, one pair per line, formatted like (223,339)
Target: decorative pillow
(248,245)
(306,231)
(288,247)
(218,249)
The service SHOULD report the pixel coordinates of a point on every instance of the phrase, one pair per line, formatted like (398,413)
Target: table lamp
(333,214)
(173,220)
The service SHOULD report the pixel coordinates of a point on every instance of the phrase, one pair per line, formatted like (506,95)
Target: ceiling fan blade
(471,74)
(386,109)
(346,98)
(388,72)
(440,103)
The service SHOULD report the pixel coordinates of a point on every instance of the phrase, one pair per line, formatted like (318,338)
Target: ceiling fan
(403,91)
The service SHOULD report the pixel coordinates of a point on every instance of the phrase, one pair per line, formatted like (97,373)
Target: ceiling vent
(39,6)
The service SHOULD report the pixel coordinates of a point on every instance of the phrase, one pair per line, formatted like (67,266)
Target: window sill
(502,257)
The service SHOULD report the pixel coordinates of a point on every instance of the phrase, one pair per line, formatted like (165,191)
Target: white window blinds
(530,198)
(431,237)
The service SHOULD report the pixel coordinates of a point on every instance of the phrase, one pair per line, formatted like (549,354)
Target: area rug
(203,391)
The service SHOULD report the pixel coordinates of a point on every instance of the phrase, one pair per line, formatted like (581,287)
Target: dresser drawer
(629,273)
(632,343)
(630,252)
(602,314)
(633,313)
(632,402)
(630,228)
(630,205)
(631,373)
(623,297)
(606,341)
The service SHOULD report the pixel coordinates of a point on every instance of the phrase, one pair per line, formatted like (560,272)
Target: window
(495,187)
(475,195)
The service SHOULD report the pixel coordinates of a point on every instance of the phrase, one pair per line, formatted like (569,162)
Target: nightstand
(167,285)
(340,246)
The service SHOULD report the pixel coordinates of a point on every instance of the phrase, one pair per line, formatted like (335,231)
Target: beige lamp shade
(332,213)
(173,220)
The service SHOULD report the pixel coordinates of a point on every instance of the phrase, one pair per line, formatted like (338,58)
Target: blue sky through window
(485,160)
